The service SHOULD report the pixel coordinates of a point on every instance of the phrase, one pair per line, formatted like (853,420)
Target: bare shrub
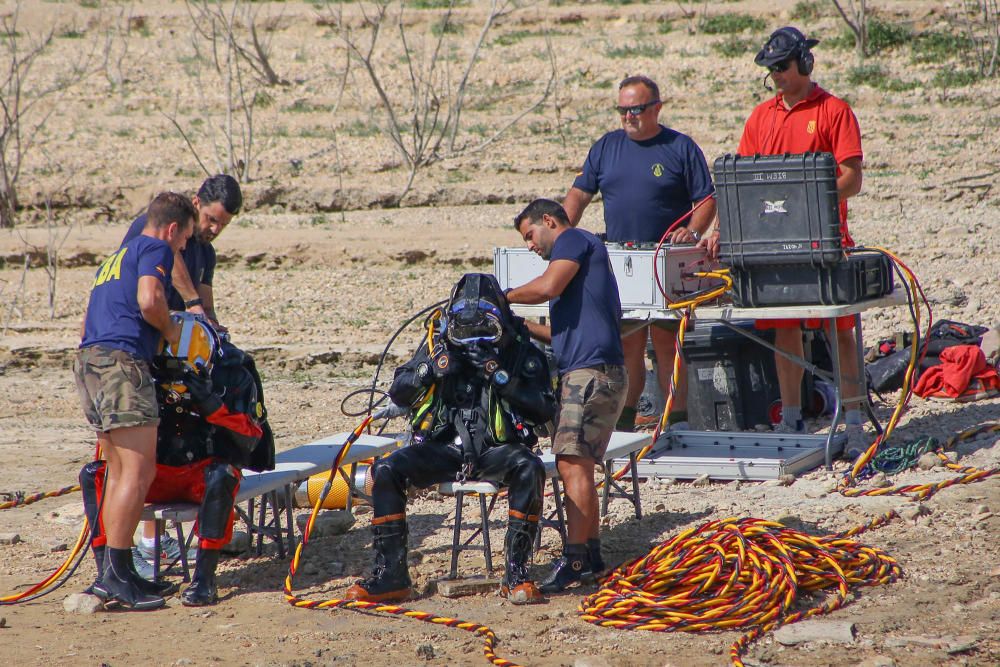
(855,15)
(423,115)
(228,48)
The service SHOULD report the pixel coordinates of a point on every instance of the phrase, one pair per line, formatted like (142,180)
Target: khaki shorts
(590,401)
(116,389)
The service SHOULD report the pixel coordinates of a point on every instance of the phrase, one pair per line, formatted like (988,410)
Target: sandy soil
(315,276)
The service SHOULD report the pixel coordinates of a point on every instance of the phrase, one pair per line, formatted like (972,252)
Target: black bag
(886,373)
(262,456)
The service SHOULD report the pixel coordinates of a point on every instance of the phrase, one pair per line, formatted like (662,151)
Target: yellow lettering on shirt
(111,269)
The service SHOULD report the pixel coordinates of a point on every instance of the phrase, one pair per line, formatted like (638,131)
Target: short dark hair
(641,80)
(222,188)
(168,207)
(534,211)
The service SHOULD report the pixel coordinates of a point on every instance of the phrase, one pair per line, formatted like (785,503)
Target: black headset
(804,60)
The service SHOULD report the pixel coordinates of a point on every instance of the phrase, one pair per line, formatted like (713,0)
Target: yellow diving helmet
(197,347)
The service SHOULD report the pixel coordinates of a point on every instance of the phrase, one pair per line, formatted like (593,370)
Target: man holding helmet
(476,390)
(212,424)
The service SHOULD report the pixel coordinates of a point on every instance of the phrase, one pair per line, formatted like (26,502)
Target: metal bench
(291,466)
(622,446)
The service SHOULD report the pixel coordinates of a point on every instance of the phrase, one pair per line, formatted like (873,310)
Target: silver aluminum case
(633,270)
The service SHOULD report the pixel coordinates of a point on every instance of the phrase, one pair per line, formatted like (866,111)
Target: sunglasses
(779,67)
(635,110)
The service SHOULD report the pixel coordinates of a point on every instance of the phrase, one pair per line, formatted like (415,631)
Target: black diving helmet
(477,313)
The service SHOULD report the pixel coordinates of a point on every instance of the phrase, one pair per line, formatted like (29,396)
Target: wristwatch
(193,302)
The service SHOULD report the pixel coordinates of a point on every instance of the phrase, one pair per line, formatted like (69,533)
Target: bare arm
(849,181)
(700,222)
(185,286)
(576,200)
(208,303)
(153,305)
(546,286)
(540,332)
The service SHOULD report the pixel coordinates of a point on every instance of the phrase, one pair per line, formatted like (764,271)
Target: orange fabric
(844,323)
(178,484)
(379,520)
(960,366)
(819,123)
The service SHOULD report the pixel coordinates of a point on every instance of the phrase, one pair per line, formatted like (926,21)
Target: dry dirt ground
(315,276)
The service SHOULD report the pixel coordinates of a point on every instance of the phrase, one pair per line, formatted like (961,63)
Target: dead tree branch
(423,116)
(855,15)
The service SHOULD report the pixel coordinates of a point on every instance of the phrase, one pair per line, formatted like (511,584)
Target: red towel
(963,374)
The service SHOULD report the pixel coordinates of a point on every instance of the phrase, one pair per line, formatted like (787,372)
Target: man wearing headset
(802,118)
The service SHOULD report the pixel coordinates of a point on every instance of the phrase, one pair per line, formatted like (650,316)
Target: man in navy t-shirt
(649,176)
(585,314)
(218,200)
(126,315)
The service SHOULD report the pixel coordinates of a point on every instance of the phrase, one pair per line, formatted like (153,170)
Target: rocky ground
(315,275)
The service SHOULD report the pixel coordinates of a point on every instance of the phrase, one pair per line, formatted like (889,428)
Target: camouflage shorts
(590,401)
(116,389)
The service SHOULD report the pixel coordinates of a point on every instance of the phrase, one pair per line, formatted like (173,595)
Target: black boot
(390,577)
(597,566)
(575,562)
(117,586)
(99,561)
(160,588)
(202,591)
(518,547)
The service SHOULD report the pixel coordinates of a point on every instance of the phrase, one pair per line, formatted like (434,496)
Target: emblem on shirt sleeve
(811,127)
(163,271)
(657,170)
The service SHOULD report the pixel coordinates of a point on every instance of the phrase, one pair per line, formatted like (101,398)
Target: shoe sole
(111,602)
(521,597)
(392,596)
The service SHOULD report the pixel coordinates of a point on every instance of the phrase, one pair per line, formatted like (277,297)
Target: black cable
(385,353)
(373,390)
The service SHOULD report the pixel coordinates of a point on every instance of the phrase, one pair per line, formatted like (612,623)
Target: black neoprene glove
(484,360)
(199,384)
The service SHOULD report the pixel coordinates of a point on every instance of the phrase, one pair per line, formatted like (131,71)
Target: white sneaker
(858,442)
(782,427)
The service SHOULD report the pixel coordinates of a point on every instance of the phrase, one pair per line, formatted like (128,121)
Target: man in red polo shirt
(802,118)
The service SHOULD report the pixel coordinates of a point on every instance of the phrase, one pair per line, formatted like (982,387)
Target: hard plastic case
(864,275)
(778,209)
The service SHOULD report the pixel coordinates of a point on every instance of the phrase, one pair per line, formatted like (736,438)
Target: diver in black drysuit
(476,397)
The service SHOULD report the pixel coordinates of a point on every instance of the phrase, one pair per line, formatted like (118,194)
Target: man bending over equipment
(477,388)
(212,424)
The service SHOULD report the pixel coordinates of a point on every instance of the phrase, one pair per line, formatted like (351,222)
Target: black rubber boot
(597,565)
(518,547)
(575,562)
(91,505)
(202,592)
(390,577)
(99,561)
(161,587)
(117,587)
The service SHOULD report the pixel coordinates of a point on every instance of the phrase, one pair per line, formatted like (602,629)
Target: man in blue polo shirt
(126,315)
(585,314)
(649,176)
(219,199)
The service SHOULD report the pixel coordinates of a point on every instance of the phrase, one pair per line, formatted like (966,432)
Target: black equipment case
(864,275)
(732,380)
(778,209)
